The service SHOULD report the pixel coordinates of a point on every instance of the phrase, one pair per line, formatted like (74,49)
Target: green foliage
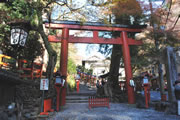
(84,70)
(23,10)
(4,32)
(32,49)
(71,82)
(35,19)
(30,11)
(19,10)
(139,60)
(71,66)
(57,47)
(52,32)
(131,14)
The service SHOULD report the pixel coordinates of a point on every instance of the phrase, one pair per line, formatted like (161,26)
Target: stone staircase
(82,96)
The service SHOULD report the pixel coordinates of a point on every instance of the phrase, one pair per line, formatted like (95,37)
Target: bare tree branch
(100,4)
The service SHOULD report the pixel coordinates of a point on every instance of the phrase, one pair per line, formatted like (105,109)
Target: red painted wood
(57,97)
(64,52)
(147,94)
(64,60)
(124,40)
(48,105)
(134,42)
(63,96)
(128,71)
(92,28)
(163,97)
(33,71)
(98,102)
(94,40)
(95,37)
(77,85)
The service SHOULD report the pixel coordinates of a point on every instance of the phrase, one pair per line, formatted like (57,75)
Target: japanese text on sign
(44,84)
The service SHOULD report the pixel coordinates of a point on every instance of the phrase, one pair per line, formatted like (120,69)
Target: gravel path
(119,111)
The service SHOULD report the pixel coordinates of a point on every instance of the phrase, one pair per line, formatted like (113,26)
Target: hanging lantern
(18,37)
(58,80)
(19,34)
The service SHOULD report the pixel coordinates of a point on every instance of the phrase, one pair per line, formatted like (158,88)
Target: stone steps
(79,97)
(77,101)
(82,96)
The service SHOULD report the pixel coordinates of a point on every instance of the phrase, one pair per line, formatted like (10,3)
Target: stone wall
(7,93)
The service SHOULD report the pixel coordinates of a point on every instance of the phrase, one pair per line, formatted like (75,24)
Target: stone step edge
(76,101)
(76,98)
(81,94)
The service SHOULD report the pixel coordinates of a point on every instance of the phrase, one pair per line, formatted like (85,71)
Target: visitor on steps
(77,77)
(98,84)
(102,82)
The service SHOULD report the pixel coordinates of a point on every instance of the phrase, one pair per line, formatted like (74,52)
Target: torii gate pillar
(64,61)
(128,71)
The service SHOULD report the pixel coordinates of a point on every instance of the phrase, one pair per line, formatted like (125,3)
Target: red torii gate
(95,28)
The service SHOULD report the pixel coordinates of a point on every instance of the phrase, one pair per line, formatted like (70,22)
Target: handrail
(2,63)
(28,71)
(33,71)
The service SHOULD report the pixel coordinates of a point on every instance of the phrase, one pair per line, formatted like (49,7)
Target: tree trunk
(51,52)
(112,82)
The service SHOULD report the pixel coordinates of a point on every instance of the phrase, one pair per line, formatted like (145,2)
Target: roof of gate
(100,24)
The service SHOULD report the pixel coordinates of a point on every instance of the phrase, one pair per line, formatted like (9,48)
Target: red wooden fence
(98,102)
(32,71)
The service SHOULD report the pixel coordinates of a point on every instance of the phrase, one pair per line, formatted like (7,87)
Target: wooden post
(64,60)
(127,63)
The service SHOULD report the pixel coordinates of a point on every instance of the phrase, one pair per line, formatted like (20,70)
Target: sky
(82,47)
(82,50)
(85,53)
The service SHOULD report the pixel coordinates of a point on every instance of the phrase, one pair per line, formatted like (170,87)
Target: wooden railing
(6,62)
(30,69)
(98,102)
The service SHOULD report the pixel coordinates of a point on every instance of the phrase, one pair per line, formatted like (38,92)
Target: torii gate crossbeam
(123,40)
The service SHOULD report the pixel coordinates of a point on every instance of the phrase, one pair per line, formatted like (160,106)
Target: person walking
(98,84)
